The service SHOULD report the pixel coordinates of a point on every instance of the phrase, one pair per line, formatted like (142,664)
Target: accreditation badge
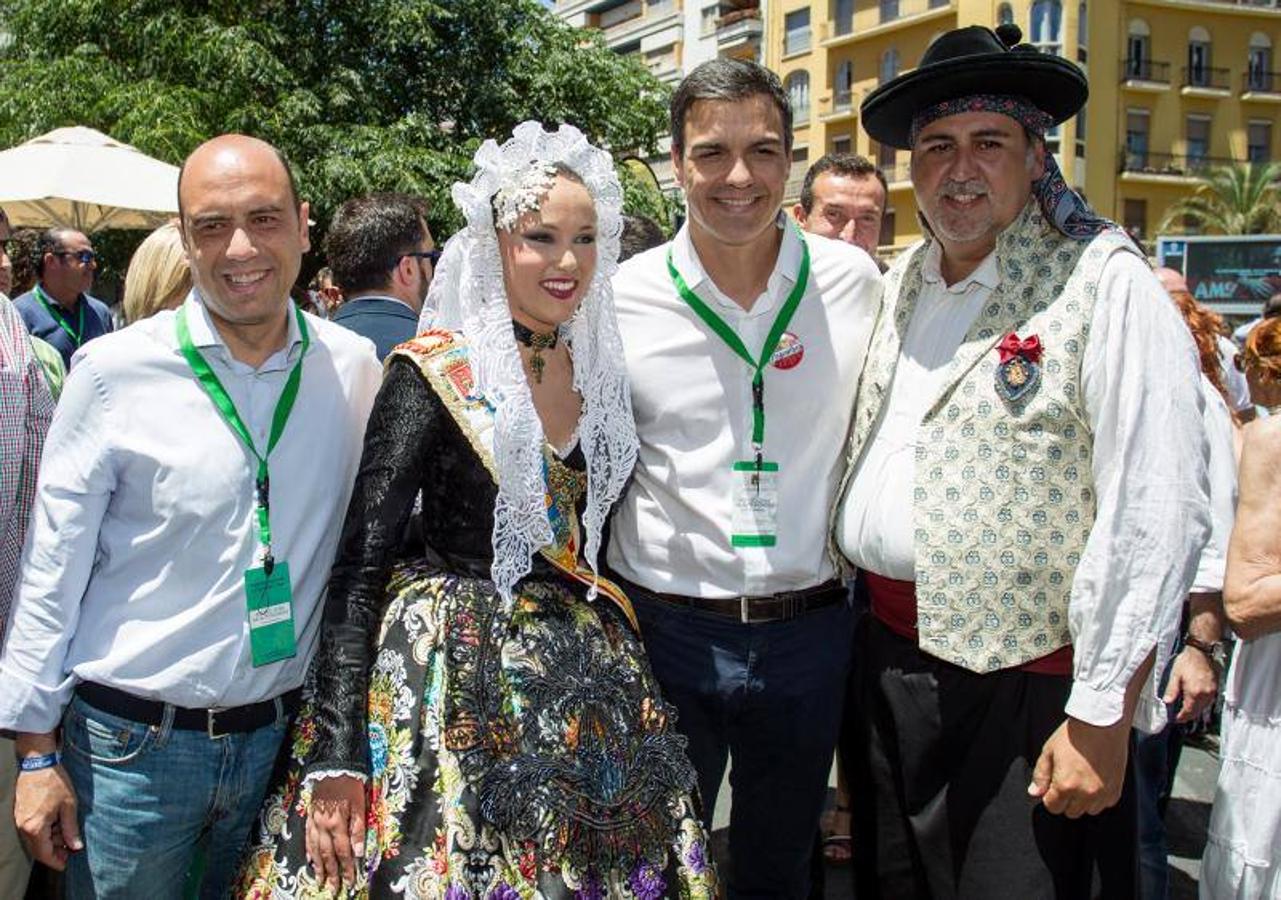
(271,614)
(755,522)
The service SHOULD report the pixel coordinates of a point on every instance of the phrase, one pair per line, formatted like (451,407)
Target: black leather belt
(214,722)
(779,607)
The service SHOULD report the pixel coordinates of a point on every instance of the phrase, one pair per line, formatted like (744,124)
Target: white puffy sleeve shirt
(1141,387)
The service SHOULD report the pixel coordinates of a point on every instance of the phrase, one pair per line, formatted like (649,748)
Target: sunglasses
(85,256)
(432,256)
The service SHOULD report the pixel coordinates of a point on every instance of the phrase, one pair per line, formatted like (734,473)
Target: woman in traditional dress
(1243,847)
(484,722)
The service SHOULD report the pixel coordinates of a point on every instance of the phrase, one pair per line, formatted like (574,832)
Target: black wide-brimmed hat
(974,60)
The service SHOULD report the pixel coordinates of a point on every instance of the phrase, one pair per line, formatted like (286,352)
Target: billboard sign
(1231,274)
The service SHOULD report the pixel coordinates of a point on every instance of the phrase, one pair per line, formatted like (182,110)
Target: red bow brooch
(1019,370)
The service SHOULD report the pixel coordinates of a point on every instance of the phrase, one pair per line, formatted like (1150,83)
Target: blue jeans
(148,795)
(770,696)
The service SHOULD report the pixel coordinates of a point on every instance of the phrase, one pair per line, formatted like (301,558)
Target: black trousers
(939,759)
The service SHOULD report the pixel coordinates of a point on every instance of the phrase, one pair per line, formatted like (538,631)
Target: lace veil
(467,295)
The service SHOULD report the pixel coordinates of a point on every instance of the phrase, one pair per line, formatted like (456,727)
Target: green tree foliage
(1239,199)
(642,195)
(374,95)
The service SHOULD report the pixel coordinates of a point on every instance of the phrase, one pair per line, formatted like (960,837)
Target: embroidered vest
(1004,496)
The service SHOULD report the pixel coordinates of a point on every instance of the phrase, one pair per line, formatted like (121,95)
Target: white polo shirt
(692,397)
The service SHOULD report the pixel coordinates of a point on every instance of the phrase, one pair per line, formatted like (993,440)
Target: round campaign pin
(789,352)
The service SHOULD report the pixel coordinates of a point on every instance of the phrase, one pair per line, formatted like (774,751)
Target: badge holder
(755,504)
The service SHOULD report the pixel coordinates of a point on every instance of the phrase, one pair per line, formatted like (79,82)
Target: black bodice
(412,445)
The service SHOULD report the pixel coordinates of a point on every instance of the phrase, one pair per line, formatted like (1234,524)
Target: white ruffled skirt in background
(1243,850)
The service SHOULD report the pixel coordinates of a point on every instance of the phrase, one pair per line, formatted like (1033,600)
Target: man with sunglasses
(382,256)
(59,309)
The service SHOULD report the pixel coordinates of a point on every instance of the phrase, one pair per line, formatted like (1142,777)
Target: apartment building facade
(1176,86)
(672,37)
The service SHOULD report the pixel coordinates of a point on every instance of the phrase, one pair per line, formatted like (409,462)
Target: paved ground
(1186,822)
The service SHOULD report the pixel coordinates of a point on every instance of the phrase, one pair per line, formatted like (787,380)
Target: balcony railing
(1206,77)
(738,15)
(624,12)
(1178,165)
(1261,82)
(843,101)
(882,12)
(1145,70)
(897,173)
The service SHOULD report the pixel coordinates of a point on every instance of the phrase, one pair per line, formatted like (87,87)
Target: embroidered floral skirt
(513,755)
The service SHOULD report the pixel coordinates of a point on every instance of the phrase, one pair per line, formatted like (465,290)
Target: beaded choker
(538,342)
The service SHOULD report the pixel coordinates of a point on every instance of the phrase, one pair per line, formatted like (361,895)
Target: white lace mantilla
(467,295)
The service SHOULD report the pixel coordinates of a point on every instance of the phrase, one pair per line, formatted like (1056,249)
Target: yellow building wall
(1168,177)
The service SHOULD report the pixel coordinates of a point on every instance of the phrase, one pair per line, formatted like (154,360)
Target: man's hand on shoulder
(44,806)
(1081,768)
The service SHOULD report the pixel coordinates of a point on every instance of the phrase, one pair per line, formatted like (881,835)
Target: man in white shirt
(187,511)
(381,255)
(1027,505)
(744,339)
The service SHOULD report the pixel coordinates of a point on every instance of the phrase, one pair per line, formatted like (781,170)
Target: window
(886,160)
(843,17)
(889,10)
(842,144)
(1134,216)
(710,15)
(1136,140)
(1138,54)
(798,92)
(797,27)
(1047,17)
(843,87)
(1082,33)
(886,238)
(1258,148)
(1198,136)
(1258,70)
(1080,134)
(1004,15)
(1053,139)
(800,154)
(1198,74)
(889,66)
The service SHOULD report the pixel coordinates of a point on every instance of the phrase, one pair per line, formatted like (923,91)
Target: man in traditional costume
(1026,502)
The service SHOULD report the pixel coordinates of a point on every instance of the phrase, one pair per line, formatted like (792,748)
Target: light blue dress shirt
(133,570)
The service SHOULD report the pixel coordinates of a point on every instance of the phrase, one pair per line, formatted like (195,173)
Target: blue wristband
(34,763)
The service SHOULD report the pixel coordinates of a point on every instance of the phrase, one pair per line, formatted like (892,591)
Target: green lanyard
(730,337)
(227,409)
(78,335)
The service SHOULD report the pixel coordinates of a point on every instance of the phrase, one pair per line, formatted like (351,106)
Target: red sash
(894,603)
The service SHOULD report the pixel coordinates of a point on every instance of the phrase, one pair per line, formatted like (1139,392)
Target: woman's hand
(336,830)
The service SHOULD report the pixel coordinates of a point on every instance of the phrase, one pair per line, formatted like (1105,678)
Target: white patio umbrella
(85,180)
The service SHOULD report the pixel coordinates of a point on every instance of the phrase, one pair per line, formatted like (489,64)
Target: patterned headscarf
(1063,207)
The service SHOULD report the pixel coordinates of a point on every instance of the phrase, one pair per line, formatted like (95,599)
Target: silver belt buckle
(210,715)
